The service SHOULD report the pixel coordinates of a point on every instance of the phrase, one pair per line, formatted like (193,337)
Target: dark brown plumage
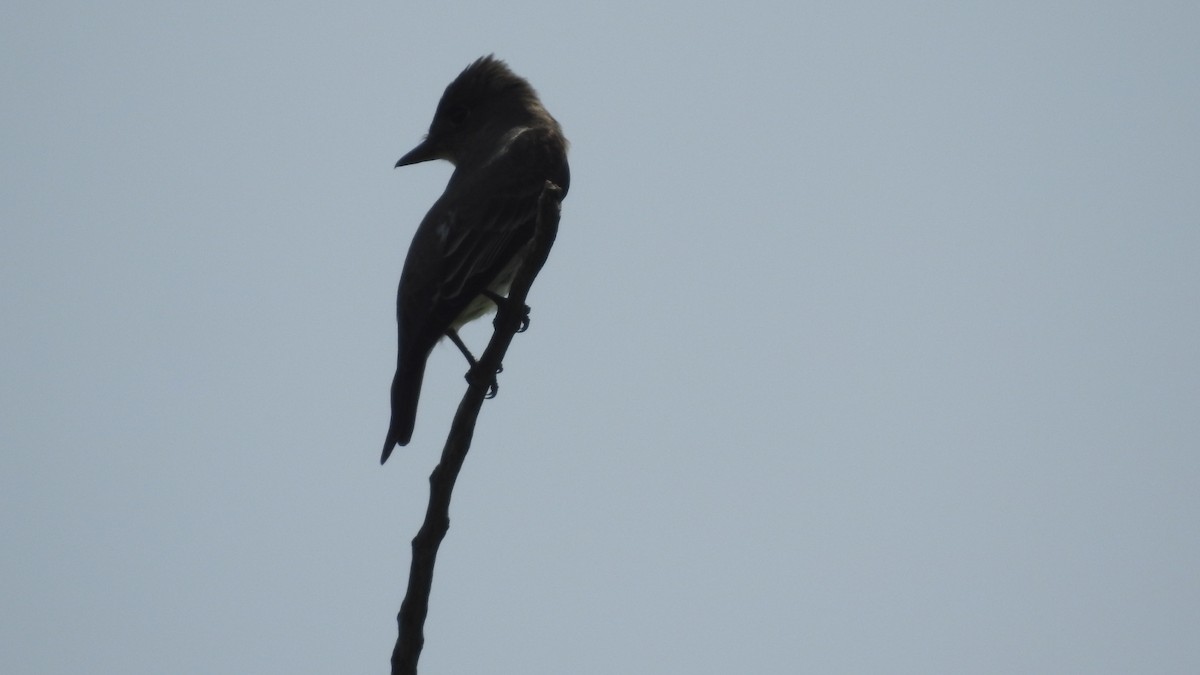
(504,146)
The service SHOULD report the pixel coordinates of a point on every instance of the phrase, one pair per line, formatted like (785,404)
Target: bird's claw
(474,377)
(503,305)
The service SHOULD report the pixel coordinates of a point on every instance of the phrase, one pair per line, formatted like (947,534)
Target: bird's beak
(424,152)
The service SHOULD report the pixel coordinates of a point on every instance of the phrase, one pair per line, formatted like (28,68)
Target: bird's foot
(504,305)
(475,377)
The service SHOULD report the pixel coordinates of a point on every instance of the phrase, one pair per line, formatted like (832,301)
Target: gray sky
(868,344)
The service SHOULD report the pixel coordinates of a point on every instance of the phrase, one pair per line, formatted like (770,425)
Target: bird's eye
(458,114)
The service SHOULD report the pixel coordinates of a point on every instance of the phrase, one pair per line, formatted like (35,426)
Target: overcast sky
(869,343)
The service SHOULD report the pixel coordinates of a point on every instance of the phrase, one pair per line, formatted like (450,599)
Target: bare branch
(509,318)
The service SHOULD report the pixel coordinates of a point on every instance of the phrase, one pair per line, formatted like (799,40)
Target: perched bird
(504,147)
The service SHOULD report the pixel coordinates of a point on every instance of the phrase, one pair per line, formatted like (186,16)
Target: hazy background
(869,343)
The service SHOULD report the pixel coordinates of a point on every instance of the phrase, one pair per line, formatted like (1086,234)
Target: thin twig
(509,315)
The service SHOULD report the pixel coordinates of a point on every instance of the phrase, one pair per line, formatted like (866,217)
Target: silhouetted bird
(504,146)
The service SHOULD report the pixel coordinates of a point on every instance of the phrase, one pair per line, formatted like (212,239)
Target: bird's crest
(487,77)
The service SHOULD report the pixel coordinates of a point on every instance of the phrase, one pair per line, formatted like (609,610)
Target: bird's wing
(458,251)
(475,253)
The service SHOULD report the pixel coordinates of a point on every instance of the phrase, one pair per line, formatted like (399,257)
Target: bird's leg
(462,347)
(493,386)
(503,305)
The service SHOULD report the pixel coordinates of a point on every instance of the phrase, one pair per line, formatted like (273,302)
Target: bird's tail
(406,391)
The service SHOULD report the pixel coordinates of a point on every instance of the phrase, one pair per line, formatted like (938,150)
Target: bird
(504,145)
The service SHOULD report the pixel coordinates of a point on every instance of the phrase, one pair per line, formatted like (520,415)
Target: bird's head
(477,110)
